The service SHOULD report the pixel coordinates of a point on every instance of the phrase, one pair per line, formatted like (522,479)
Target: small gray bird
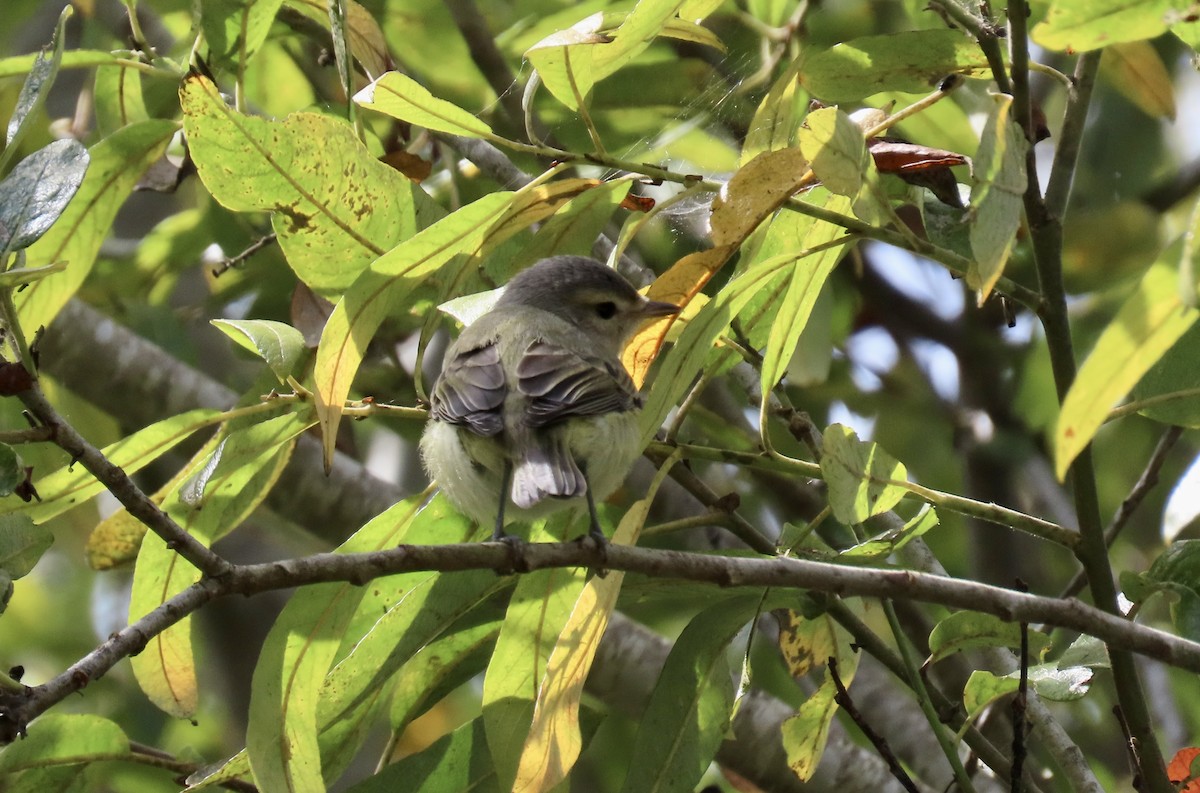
(533,405)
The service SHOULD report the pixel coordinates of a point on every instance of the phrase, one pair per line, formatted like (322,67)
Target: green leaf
(71,59)
(36,88)
(914,61)
(1089,25)
(997,196)
(1057,685)
(235,29)
(805,733)
(277,343)
(399,96)
(860,476)
(456,762)
(538,611)
(690,709)
(363,35)
(247,464)
(12,470)
(807,278)
(835,149)
(1151,320)
(371,298)
(117,163)
(118,98)
(1176,573)
(37,191)
(968,630)
(282,736)
(21,544)
(1174,373)
(335,207)
(438,668)
(778,115)
(72,484)
(58,739)
(572,61)
(884,545)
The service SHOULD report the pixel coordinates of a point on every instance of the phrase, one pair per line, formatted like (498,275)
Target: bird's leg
(517,561)
(594,531)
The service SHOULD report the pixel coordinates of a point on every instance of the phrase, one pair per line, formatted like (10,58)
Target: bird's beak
(657,308)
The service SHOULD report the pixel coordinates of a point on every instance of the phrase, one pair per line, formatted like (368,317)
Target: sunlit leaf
(883,546)
(73,484)
(402,97)
(36,87)
(1151,320)
(118,97)
(1083,26)
(61,739)
(805,644)
(456,762)
(335,207)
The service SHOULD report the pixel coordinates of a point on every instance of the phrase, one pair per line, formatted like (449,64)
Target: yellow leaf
(1137,72)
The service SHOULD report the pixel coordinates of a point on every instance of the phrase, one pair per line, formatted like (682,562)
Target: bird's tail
(546,470)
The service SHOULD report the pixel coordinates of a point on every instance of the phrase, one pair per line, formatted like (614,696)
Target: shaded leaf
(690,709)
(21,544)
(58,739)
(363,35)
(1176,572)
(456,762)
(996,196)
(969,630)
(912,61)
(116,164)
(1135,69)
(884,545)
(235,29)
(860,476)
(277,343)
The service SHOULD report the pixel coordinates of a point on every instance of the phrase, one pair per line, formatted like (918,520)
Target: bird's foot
(595,538)
(517,562)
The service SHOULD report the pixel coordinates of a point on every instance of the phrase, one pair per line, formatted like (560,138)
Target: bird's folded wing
(470,391)
(561,384)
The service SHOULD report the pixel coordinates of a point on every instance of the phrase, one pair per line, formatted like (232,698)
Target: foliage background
(895,347)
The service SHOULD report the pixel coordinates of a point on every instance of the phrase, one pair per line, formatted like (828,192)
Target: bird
(533,410)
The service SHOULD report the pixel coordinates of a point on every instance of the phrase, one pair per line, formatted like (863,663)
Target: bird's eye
(606,310)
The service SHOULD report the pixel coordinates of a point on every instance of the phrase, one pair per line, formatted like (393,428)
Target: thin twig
(842,697)
(121,486)
(1145,483)
(236,261)
(1019,707)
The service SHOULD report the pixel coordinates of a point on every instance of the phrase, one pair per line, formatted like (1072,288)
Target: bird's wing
(470,391)
(561,384)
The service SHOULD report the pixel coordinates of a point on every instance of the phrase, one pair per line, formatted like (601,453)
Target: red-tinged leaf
(1185,767)
(637,203)
(893,156)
